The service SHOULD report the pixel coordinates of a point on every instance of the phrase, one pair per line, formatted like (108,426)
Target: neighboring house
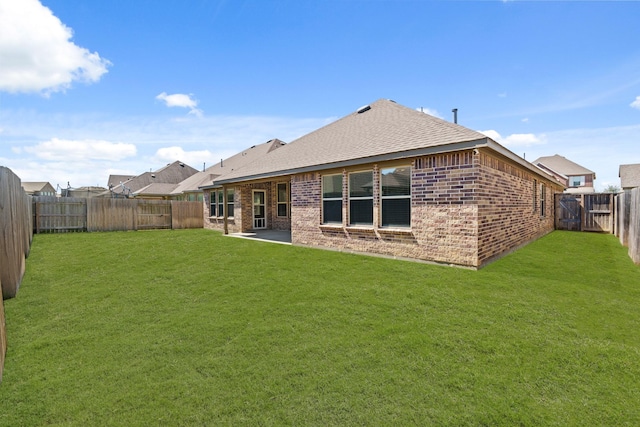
(39,189)
(575,178)
(174,173)
(391,180)
(193,188)
(85,192)
(118,179)
(155,191)
(629,176)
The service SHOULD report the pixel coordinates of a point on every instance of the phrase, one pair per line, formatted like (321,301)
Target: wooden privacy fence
(585,212)
(628,222)
(69,214)
(15,241)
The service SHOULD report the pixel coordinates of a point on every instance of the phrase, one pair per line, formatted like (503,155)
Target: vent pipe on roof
(455,115)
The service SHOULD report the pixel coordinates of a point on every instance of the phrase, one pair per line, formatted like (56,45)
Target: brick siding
(466,209)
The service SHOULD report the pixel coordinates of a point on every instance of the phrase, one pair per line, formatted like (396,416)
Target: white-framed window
(230,202)
(220,203)
(395,196)
(361,198)
(332,199)
(213,211)
(283,199)
(217,203)
(576,181)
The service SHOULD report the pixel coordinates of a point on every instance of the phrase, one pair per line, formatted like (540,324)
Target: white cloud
(180,100)
(636,103)
(36,51)
(205,140)
(430,112)
(516,139)
(492,134)
(75,150)
(193,158)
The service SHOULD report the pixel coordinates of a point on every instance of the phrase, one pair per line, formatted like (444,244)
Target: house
(118,179)
(39,189)
(629,176)
(391,180)
(193,188)
(173,173)
(575,178)
(84,192)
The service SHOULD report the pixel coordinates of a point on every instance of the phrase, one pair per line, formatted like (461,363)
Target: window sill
(332,226)
(354,229)
(396,230)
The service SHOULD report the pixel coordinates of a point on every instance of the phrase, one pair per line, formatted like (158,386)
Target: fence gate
(584,212)
(568,212)
(153,214)
(598,209)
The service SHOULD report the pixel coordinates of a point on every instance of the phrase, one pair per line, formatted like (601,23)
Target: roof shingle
(386,128)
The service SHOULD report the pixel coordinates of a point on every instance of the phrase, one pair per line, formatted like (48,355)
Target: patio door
(259,209)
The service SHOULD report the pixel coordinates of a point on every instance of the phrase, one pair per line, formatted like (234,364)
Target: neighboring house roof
(562,166)
(383,130)
(629,175)
(194,182)
(118,179)
(34,187)
(155,189)
(173,173)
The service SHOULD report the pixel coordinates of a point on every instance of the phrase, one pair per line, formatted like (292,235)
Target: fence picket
(60,215)
(15,241)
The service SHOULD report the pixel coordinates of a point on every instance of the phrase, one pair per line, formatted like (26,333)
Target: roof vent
(364,109)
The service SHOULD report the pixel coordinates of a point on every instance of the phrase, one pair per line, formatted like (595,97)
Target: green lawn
(192,328)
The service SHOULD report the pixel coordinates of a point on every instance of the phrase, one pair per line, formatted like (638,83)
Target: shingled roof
(629,176)
(562,166)
(173,173)
(205,179)
(381,130)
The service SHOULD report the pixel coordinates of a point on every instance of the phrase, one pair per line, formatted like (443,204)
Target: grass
(192,328)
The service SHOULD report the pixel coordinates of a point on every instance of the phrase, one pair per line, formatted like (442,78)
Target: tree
(611,189)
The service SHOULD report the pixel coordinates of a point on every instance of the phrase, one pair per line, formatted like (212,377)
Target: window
(217,203)
(576,181)
(332,199)
(220,203)
(395,196)
(213,205)
(535,195)
(542,197)
(361,198)
(283,200)
(230,202)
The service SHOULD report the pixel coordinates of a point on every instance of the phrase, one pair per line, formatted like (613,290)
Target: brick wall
(509,201)
(243,218)
(467,208)
(443,217)
(233,224)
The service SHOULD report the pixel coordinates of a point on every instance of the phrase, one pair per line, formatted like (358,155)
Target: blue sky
(89,89)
